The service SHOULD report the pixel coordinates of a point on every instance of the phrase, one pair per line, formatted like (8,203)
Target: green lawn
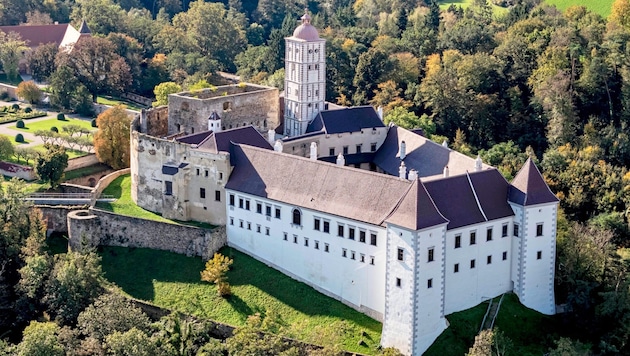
(120,189)
(108,100)
(85,171)
(444,4)
(601,7)
(532,333)
(12,139)
(174,282)
(47,124)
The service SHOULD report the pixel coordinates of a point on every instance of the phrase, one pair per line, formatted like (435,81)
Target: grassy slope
(175,283)
(106,100)
(601,7)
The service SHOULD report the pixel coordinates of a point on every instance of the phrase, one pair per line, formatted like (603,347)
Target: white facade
(304,78)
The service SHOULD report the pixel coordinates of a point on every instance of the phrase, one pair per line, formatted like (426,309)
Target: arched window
(297,217)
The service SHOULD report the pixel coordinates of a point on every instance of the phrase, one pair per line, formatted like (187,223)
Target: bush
(15,107)
(61,117)
(28,110)
(54,129)
(93,122)
(20,124)
(19,138)
(4,96)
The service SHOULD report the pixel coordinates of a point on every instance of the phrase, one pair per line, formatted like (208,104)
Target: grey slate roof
(220,141)
(423,155)
(194,139)
(352,193)
(352,119)
(529,187)
(417,210)
(471,198)
(84,29)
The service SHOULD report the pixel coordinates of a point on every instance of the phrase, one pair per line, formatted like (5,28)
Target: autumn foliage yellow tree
(111,142)
(215,271)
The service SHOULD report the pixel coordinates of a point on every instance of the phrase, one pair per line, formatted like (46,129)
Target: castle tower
(534,239)
(304,77)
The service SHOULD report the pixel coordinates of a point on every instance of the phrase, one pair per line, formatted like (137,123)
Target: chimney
(478,164)
(403,150)
(445,171)
(379,111)
(402,171)
(277,146)
(271,136)
(413,175)
(314,151)
(445,144)
(340,160)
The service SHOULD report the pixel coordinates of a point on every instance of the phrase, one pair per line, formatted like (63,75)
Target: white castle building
(398,227)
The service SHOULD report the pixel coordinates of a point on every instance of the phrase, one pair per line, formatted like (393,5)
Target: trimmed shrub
(28,110)
(93,122)
(4,96)
(54,129)
(61,117)
(15,107)
(19,124)
(19,138)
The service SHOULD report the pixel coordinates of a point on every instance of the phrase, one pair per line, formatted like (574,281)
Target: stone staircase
(491,313)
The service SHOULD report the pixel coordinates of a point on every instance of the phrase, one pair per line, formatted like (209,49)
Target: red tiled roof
(39,34)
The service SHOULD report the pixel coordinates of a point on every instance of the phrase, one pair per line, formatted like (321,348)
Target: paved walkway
(34,140)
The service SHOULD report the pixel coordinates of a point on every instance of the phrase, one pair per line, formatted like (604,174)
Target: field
(601,7)
(107,100)
(174,282)
(47,124)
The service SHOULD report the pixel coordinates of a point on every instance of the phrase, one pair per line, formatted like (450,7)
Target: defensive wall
(94,227)
(104,182)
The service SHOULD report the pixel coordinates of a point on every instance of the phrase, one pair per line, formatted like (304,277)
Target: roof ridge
(472,187)
(400,201)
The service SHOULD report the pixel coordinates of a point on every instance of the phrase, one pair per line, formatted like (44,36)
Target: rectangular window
(362,236)
(231,221)
(504,255)
(398,282)
(257,228)
(538,255)
(249,225)
(327,226)
(206,173)
(504,230)
(277,213)
(259,208)
(268,210)
(168,188)
(539,229)
(197,171)
(472,264)
(340,230)
(362,258)
(515,228)
(456,268)
(202,193)
(306,242)
(373,147)
(267,231)
(345,150)
(316,245)
(458,241)
(220,176)
(401,254)
(430,256)
(217,195)
(316,223)
(352,255)
(359,148)
(489,234)
(241,203)
(489,259)
(473,237)
(344,253)
(373,239)
(372,260)
(326,248)
(246,204)
(231,199)
(331,151)
(286,236)
(430,283)
(294,239)
(351,233)
(240,224)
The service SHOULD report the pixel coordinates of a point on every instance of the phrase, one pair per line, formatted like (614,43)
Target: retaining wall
(105,181)
(56,216)
(17,170)
(81,162)
(96,227)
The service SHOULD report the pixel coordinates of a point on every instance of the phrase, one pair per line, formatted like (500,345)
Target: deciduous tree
(40,339)
(41,61)
(50,165)
(29,91)
(109,313)
(162,91)
(11,48)
(215,272)
(111,141)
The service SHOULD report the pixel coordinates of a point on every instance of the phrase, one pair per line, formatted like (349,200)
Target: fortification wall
(56,216)
(81,162)
(237,106)
(154,122)
(105,181)
(94,227)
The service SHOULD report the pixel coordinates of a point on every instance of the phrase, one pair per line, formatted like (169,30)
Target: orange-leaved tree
(215,271)
(111,141)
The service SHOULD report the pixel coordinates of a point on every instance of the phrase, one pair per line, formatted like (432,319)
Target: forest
(530,82)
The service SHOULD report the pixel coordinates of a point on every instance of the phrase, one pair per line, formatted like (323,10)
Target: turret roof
(529,187)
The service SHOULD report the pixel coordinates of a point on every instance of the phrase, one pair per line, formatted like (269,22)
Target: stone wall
(96,227)
(154,122)
(74,188)
(17,170)
(9,89)
(90,180)
(237,106)
(81,162)
(56,216)
(105,181)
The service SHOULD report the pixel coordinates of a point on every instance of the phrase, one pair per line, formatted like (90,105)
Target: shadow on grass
(135,270)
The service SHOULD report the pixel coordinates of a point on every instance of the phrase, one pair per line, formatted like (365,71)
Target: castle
(398,227)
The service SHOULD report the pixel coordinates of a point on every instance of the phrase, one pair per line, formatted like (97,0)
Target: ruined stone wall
(237,106)
(154,122)
(56,216)
(94,227)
